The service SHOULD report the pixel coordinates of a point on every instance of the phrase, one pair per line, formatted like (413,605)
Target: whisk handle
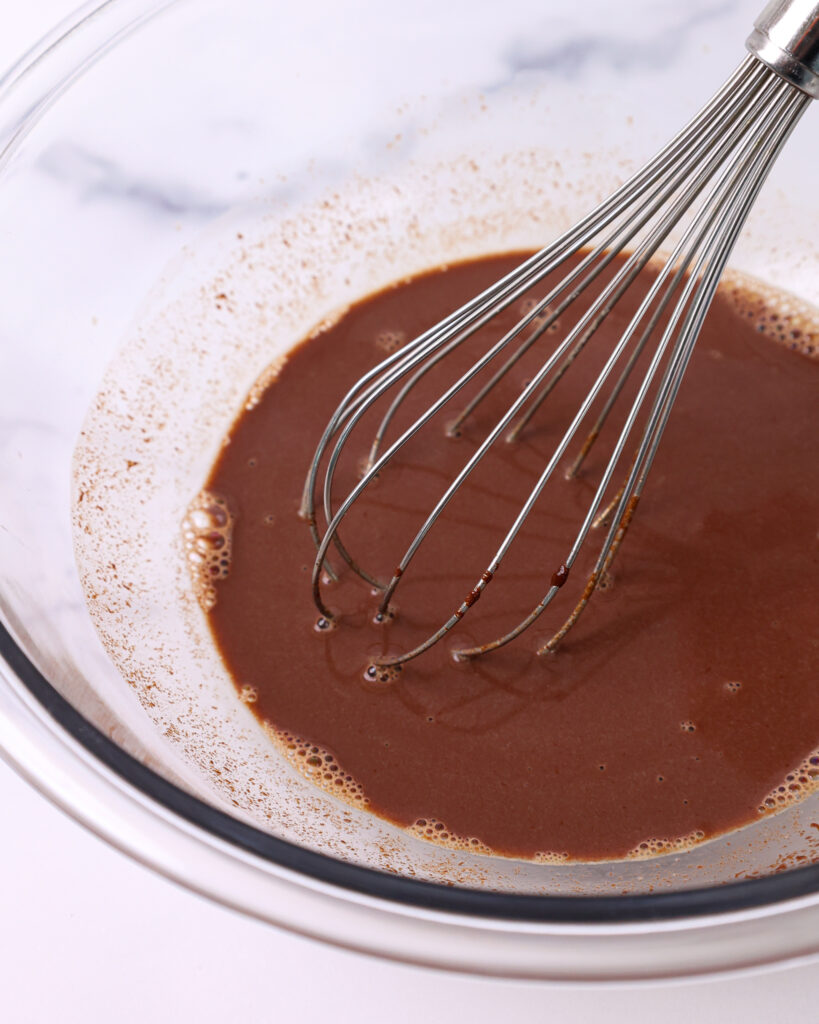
(786,38)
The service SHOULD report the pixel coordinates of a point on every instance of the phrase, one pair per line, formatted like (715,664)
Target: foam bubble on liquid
(318,765)
(207,534)
(804,779)
(527,306)
(435,831)
(382,675)
(605,581)
(390,341)
(432,830)
(785,319)
(263,382)
(550,858)
(656,847)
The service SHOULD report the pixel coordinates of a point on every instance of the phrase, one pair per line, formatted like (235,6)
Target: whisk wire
(604,252)
(638,474)
(727,210)
(402,361)
(698,230)
(725,152)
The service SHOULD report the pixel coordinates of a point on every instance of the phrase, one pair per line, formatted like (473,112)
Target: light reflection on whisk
(725,153)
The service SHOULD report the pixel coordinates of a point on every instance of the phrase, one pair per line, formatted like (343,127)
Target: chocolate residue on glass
(679,704)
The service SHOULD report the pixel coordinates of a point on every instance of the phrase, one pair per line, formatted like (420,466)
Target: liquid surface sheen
(685,695)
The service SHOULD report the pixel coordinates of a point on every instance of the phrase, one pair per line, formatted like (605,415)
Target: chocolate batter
(684,696)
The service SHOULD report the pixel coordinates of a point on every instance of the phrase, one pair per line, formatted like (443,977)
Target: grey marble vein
(97,177)
(569,57)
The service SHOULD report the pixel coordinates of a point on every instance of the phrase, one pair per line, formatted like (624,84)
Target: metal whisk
(705,181)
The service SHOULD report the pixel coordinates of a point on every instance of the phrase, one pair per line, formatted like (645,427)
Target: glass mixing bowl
(185,190)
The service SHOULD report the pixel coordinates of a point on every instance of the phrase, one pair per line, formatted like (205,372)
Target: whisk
(703,183)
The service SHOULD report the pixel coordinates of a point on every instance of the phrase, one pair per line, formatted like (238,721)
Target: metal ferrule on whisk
(786,38)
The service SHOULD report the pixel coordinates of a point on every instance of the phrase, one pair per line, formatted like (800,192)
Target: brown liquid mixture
(686,693)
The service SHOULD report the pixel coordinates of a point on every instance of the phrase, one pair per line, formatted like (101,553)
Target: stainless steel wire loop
(693,196)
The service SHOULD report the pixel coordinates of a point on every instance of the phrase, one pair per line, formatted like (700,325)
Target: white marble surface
(88,935)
